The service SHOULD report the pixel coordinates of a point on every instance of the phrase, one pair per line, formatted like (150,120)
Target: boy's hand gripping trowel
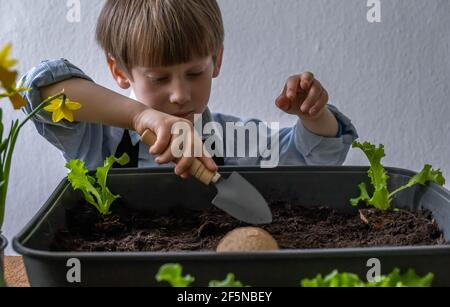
(235,195)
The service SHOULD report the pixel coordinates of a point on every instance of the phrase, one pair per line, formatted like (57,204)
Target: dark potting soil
(294,227)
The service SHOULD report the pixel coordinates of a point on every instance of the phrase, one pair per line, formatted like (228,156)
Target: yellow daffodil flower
(17,101)
(14,96)
(62,108)
(4,54)
(7,77)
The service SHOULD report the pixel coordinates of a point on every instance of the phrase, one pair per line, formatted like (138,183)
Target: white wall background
(391,78)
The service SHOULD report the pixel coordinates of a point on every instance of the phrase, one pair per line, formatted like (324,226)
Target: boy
(168,52)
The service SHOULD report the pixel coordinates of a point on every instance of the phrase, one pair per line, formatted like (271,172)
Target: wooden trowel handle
(197,170)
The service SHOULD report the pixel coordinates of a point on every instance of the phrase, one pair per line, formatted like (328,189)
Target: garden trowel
(235,195)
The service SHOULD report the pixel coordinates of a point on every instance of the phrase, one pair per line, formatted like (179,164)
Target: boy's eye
(159,79)
(195,74)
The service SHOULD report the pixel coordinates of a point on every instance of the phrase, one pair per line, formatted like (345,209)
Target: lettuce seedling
(381,198)
(409,279)
(95,190)
(334,279)
(394,279)
(229,281)
(173,274)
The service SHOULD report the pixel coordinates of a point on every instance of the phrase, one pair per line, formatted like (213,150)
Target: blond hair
(153,33)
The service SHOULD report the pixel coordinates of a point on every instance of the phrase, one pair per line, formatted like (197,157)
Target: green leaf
(334,279)
(381,198)
(394,279)
(409,279)
(378,176)
(102,174)
(172,273)
(313,283)
(95,190)
(229,281)
(344,280)
(81,181)
(364,197)
(4,145)
(426,175)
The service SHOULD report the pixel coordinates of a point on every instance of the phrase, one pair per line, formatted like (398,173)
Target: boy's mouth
(184,115)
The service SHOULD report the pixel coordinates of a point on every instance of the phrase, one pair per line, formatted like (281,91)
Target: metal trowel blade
(240,199)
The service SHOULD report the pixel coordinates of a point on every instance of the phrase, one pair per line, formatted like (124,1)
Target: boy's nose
(180,93)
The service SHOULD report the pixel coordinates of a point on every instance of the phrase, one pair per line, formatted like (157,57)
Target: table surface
(15,274)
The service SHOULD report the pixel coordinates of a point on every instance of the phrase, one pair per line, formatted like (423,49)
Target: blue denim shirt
(92,143)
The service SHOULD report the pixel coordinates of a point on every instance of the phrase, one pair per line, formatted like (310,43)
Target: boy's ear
(118,74)
(218,63)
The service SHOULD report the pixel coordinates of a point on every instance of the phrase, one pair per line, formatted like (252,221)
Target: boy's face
(180,90)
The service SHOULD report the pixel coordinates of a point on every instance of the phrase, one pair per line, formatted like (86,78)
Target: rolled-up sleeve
(296,145)
(47,73)
(319,150)
(77,140)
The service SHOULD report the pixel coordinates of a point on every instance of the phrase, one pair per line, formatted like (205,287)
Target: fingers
(292,87)
(315,92)
(283,102)
(320,104)
(209,163)
(185,175)
(287,99)
(307,80)
(181,150)
(163,137)
(298,90)
(165,157)
(299,83)
(185,163)
(183,166)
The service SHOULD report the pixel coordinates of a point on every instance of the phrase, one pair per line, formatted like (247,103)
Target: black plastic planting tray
(153,189)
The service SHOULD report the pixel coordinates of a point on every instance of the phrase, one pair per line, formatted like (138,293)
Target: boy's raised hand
(304,96)
(161,124)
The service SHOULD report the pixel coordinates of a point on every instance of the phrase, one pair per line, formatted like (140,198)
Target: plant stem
(398,190)
(40,107)
(14,133)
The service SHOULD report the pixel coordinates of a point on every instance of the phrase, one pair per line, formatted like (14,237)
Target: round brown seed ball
(247,239)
